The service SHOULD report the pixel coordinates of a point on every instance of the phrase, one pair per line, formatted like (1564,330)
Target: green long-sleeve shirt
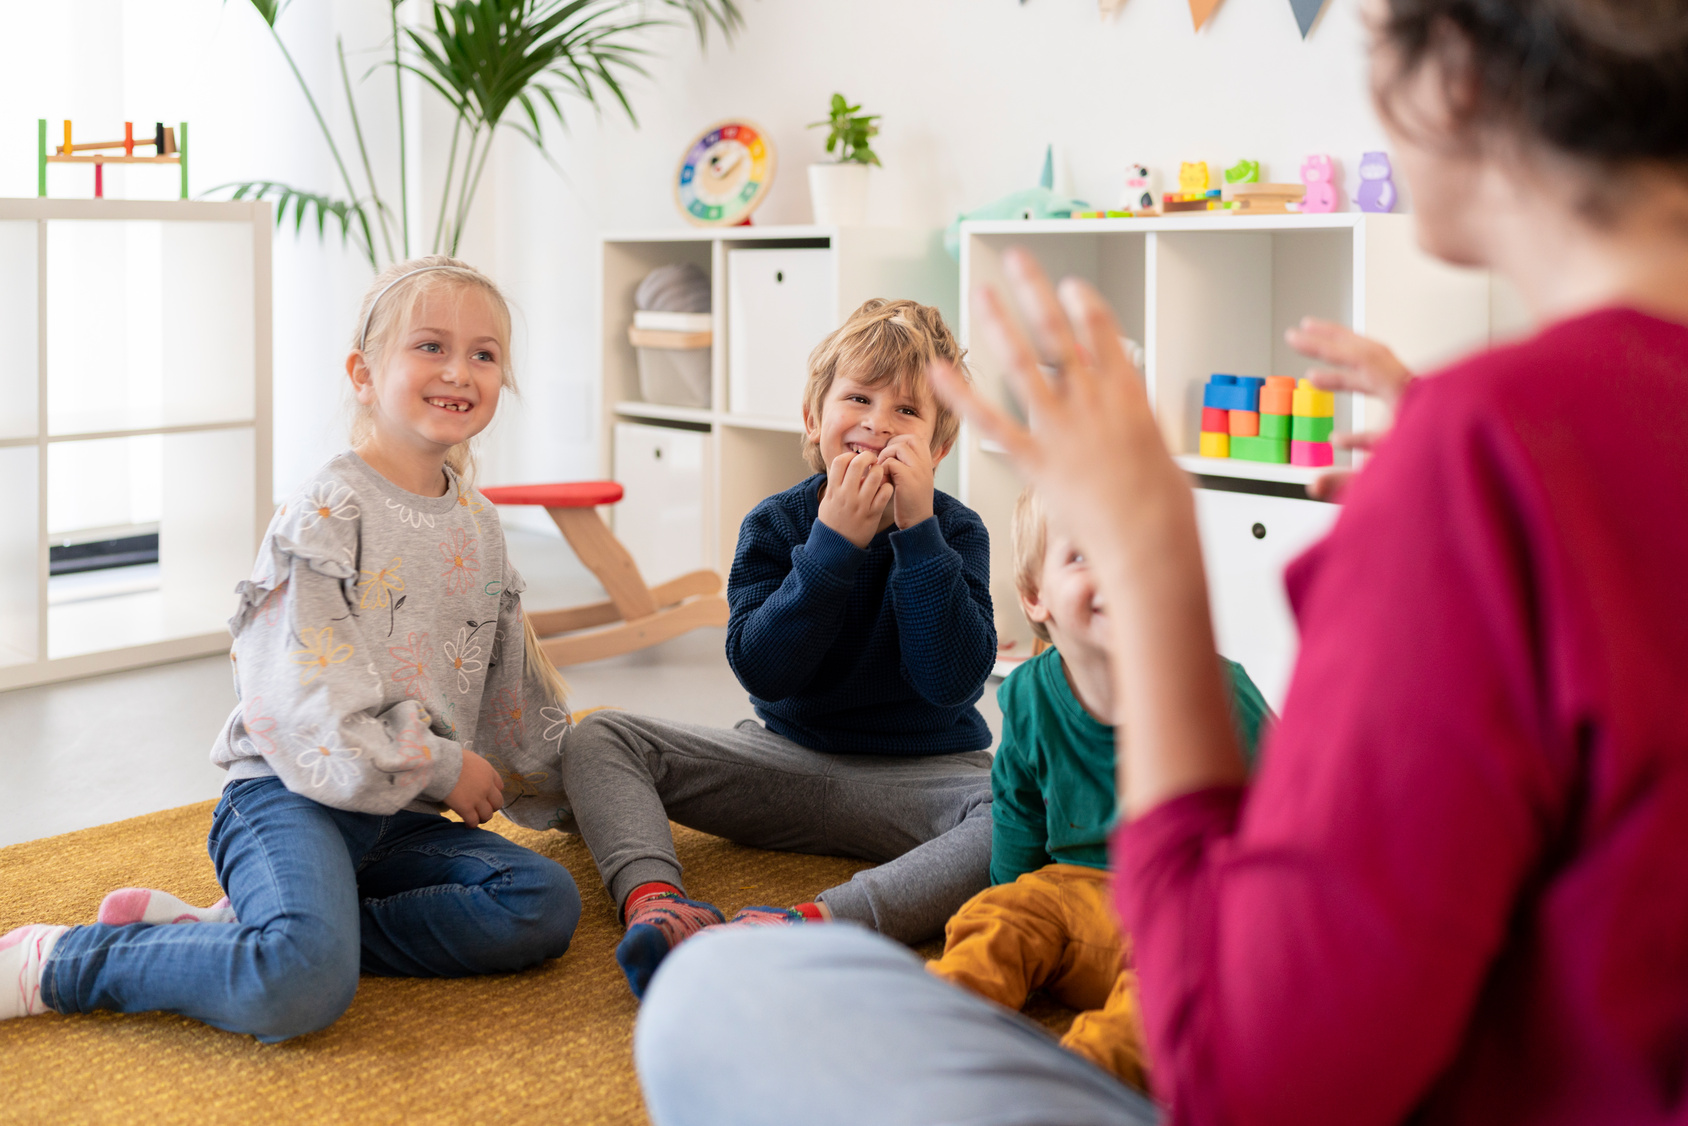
(1052,783)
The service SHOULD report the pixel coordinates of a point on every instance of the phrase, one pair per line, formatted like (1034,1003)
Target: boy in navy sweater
(861,627)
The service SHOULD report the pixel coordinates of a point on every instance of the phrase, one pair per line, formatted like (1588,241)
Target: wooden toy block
(1215,445)
(1264,199)
(1310,402)
(1274,425)
(1245,424)
(1215,421)
(1272,450)
(1090,215)
(1314,455)
(1170,204)
(1304,429)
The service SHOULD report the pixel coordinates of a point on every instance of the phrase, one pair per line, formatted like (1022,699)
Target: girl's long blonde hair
(383,315)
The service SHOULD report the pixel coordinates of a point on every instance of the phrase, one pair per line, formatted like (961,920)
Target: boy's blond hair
(884,342)
(1031,541)
(383,315)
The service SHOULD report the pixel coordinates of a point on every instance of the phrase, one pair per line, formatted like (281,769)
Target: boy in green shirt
(1047,922)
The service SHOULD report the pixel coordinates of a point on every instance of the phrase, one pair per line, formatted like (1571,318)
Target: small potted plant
(839,189)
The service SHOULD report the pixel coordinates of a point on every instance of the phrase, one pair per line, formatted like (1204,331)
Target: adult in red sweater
(1457,890)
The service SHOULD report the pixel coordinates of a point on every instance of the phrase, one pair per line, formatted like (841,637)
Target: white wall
(971,91)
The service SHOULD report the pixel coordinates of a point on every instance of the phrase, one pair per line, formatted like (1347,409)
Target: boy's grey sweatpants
(926,820)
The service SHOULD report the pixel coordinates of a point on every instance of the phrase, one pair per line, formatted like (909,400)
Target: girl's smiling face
(859,418)
(438,381)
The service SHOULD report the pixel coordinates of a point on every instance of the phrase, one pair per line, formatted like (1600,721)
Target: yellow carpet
(553,1045)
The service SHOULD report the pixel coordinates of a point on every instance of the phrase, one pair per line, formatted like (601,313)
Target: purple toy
(1319,175)
(1377,190)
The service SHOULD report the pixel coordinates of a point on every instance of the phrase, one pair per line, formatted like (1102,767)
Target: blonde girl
(381,671)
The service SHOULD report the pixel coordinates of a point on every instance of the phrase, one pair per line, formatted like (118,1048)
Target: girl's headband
(363,336)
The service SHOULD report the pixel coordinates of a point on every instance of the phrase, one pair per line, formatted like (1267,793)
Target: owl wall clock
(725,174)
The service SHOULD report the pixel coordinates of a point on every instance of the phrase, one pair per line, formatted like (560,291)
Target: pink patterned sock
(768,917)
(22,954)
(144,905)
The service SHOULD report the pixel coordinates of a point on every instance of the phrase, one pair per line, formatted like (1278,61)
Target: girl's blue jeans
(322,893)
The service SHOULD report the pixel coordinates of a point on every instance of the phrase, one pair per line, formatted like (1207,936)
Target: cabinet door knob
(1259,531)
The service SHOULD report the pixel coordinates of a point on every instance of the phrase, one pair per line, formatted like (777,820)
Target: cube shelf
(134,407)
(1207,294)
(751,454)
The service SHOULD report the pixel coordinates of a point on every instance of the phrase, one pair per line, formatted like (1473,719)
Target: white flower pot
(839,194)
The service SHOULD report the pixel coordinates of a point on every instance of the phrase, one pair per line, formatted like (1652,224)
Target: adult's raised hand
(1351,363)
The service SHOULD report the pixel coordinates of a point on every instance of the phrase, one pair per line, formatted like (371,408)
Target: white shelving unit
(134,397)
(747,457)
(1208,293)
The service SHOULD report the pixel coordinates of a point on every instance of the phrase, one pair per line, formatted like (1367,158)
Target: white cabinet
(780,304)
(660,519)
(1246,542)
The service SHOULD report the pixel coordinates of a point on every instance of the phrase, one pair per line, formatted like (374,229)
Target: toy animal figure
(1377,189)
(1243,172)
(1319,174)
(1192,178)
(1142,184)
(1033,203)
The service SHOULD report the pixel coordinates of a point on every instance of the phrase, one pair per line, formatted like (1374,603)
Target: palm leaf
(353,220)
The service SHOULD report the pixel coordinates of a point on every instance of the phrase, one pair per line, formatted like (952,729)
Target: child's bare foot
(657,922)
(22,954)
(145,905)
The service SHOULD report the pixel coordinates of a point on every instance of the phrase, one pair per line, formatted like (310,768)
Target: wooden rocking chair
(642,615)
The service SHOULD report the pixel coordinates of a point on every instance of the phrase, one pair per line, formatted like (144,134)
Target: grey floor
(86,752)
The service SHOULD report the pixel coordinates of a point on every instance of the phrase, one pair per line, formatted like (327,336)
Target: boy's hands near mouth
(856,494)
(907,463)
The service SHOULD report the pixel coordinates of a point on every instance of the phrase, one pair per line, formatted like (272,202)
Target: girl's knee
(544,911)
(297,983)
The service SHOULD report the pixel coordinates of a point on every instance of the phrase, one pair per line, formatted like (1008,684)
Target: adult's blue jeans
(321,893)
(832,1025)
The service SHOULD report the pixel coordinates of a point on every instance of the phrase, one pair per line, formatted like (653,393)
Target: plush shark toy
(1040,202)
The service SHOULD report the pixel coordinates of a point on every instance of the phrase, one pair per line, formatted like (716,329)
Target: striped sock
(768,917)
(144,905)
(657,922)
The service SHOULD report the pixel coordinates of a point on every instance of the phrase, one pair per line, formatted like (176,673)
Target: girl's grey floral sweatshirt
(379,637)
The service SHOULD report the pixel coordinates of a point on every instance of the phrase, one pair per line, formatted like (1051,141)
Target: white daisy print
(328,501)
(330,762)
(557,721)
(409,515)
(464,656)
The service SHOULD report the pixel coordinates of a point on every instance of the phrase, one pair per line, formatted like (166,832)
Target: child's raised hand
(907,462)
(1356,363)
(479,792)
(857,492)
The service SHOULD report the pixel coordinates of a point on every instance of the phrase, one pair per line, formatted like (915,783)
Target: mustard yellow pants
(1053,929)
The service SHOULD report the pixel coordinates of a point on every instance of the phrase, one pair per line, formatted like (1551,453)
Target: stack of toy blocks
(1248,418)
(1310,426)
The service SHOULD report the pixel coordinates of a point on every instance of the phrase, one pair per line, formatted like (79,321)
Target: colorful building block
(1215,445)
(1245,424)
(1232,392)
(1216,421)
(1278,395)
(1275,426)
(1274,450)
(1311,429)
(1310,402)
(1311,454)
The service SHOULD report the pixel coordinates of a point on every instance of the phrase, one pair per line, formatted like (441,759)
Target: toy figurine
(1243,172)
(1192,178)
(1377,189)
(1142,184)
(1319,174)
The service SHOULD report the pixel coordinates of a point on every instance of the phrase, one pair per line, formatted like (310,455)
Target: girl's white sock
(145,905)
(22,954)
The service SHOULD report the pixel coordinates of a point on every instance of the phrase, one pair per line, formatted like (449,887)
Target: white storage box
(673,361)
(780,304)
(660,517)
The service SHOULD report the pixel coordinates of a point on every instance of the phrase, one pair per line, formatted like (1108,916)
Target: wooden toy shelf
(134,402)
(1207,293)
(744,456)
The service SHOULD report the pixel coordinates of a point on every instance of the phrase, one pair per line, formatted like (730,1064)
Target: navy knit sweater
(882,650)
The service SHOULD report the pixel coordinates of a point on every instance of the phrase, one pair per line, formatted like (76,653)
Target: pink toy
(1319,174)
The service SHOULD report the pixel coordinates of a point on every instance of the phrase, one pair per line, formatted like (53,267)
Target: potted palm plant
(838,189)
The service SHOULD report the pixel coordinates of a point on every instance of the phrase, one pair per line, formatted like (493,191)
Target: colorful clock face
(725,174)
